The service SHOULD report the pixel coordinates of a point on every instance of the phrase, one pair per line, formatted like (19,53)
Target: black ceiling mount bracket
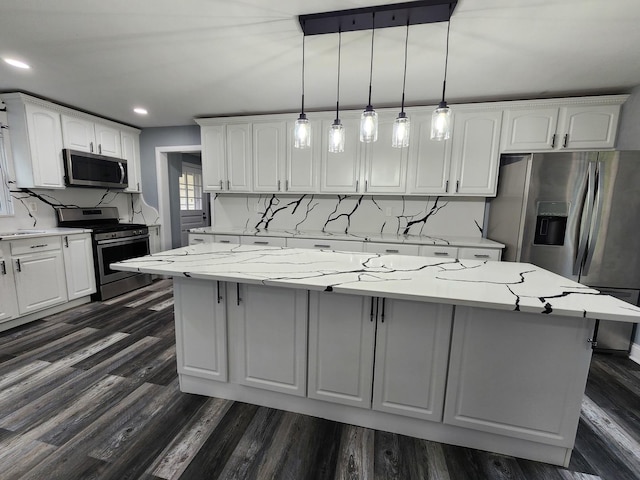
(396,15)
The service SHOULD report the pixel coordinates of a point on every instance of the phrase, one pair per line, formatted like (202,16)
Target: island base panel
(433,431)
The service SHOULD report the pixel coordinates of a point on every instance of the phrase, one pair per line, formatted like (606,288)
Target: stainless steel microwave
(82,169)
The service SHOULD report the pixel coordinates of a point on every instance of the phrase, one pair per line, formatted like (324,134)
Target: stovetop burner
(103,221)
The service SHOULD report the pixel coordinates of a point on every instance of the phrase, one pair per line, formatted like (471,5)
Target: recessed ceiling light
(16,63)
(140,110)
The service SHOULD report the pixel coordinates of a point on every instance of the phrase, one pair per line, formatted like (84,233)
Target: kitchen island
(488,355)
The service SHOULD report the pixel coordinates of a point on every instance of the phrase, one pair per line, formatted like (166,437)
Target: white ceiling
(187,58)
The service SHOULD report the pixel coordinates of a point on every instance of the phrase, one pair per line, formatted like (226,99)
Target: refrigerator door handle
(597,218)
(585,222)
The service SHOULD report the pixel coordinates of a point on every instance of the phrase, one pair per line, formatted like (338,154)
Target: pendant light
(336,131)
(369,118)
(302,129)
(441,118)
(401,125)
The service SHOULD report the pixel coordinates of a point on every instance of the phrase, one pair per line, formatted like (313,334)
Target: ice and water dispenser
(551,223)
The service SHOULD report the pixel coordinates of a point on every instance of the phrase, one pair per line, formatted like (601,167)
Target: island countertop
(486,284)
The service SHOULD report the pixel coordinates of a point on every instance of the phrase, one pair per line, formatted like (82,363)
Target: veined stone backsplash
(131,206)
(351,214)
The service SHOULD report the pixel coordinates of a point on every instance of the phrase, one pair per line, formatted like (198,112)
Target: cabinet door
(201,328)
(479,253)
(341,171)
(430,160)
(45,143)
(109,141)
(198,238)
(154,239)
(268,156)
(530,130)
(475,152)
(589,127)
(341,336)
(518,374)
(40,281)
(391,248)
(262,241)
(78,265)
(238,154)
(8,300)
(214,172)
(131,153)
(326,244)
(268,329)
(412,351)
(385,166)
(439,251)
(78,134)
(303,165)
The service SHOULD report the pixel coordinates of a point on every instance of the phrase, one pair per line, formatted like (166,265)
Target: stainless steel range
(112,242)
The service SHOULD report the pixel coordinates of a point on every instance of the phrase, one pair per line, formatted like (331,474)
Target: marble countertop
(487,284)
(40,232)
(457,241)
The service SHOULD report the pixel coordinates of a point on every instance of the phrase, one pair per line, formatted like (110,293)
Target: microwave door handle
(597,218)
(121,172)
(585,221)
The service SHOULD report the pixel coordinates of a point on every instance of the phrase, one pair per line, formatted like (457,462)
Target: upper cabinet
(584,124)
(340,172)
(41,129)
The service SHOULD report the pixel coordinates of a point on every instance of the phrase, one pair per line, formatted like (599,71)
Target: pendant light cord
(373,31)
(446,57)
(338,90)
(303,37)
(404,78)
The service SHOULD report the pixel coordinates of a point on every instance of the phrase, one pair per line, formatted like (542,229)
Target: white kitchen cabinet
(303,164)
(391,248)
(262,241)
(586,125)
(479,253)
(268,156)
(429,160)
(197,238)
(440,251)
(201,328)
(475,152)
(325,244)
(341,339)
(8,299)
(226,238)
(131,153)
(226,157)
(411,358)
(39,273)
(341,171)
(536,398)
(384,167)
(78,265)
(268,328)
(155,239)
(89,136)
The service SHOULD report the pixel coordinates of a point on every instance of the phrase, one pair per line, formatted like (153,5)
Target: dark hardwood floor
(92,393)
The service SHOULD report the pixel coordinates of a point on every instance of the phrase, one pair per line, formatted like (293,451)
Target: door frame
(162,185)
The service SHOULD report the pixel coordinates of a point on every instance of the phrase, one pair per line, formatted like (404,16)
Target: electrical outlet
(33,206)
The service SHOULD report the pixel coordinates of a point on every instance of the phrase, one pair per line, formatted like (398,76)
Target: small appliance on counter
(575,214)
(112,242)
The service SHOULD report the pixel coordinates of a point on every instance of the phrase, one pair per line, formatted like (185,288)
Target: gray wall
(175,170)
(629,128)
(150,138)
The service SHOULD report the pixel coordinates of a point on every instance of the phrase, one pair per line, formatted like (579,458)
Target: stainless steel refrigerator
(578,215)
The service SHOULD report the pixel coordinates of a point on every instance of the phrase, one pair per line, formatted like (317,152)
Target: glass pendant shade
(302,132)
(369,125)
(336,137)
(401,129)
(441,122)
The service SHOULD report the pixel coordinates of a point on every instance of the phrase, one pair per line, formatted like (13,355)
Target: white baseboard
(635,353)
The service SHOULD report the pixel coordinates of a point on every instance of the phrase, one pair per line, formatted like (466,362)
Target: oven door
(112,251)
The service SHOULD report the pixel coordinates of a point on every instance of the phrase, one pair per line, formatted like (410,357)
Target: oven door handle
(122,240)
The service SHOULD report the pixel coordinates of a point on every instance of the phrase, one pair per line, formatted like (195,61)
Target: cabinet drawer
(263,241)
(344,245)
(479,253)
(35,245)
(197,238)
(226,238)
(392,248)
(439,251)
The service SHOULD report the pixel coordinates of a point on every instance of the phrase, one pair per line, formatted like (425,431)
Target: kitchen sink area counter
(477,353)
(33,233)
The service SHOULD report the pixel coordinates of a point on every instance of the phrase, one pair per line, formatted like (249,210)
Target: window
(190,188)
(6,205)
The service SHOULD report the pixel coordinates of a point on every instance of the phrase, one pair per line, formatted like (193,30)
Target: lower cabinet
(268,331)
(78,265)
(411,345)
(508,374)
(8,302)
